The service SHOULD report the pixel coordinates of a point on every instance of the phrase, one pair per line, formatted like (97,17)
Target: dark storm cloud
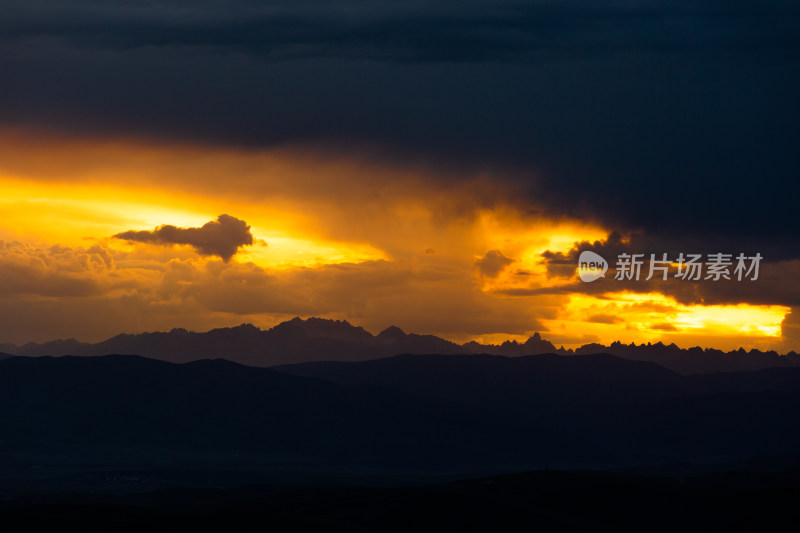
(776,283)
(676,119)
(563,263)
(221,237)
(411,31)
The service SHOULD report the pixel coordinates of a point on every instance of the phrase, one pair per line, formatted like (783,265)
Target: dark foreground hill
(535,501)
(127,410)
(454,415)
(636,411)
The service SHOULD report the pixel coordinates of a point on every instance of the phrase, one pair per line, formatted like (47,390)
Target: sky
(436,165)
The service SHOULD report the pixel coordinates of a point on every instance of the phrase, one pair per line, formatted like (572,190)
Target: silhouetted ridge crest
(392,333)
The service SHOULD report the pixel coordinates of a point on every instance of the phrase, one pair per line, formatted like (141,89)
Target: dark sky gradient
(674,118)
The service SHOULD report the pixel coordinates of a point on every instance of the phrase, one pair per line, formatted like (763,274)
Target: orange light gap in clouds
(652,317)
(58,213)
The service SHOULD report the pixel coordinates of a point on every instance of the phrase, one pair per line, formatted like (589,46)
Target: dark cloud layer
(776,283)
(674,118)
(221,237)
(442,30)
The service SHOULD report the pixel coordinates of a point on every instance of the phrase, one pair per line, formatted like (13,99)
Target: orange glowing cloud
(311,233)
(651,317)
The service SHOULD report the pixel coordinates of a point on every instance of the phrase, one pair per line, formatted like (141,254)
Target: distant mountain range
(317,339)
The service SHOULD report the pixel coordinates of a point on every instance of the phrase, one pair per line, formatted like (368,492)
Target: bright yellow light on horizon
(651,317)
(71,214)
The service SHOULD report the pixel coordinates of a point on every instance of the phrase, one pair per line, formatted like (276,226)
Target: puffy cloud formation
(221,237)
(96,292)
(57,271)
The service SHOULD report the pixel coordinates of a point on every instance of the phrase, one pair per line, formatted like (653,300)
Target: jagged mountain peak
(324,328)
(392,333)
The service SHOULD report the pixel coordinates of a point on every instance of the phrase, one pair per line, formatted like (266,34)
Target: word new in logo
(591,266)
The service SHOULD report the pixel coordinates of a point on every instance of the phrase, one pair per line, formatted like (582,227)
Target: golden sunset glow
(651,317)
(410,251)
(284,259)
(69,215)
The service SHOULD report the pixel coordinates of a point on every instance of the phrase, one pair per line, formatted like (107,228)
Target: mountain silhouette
(317,339)
(696,360)
(447,413)
(296,340)
(635,408)
(120,409)
(544,385)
